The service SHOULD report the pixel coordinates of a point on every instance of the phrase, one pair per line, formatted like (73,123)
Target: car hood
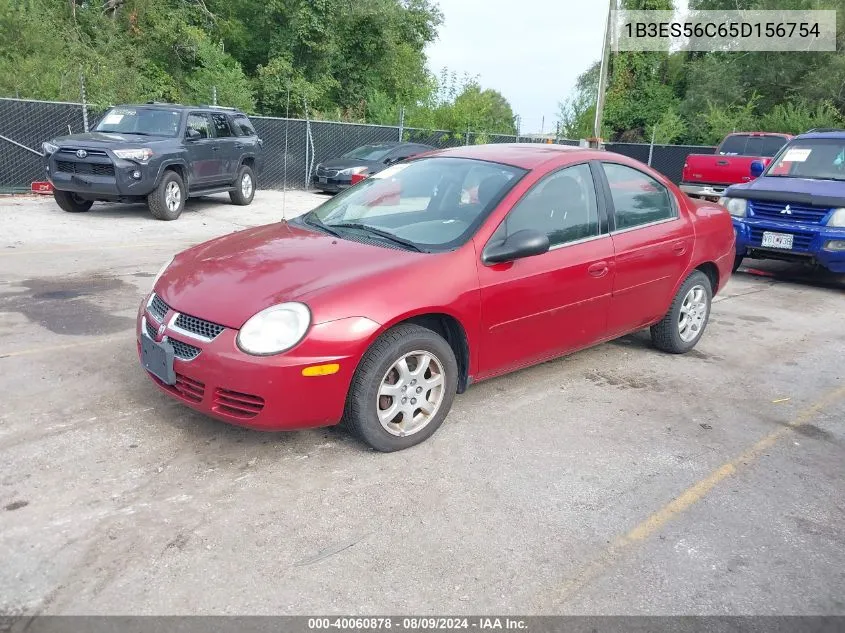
(229,279)
(106,140)
(345,163)
(796,190)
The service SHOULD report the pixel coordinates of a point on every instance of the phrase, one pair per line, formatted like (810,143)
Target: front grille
(189,388)
(85,169)
(797,212)
(90,152)
(801,240)
(238,405)
(151,331)
(200,327)
(158,308)
(183,351)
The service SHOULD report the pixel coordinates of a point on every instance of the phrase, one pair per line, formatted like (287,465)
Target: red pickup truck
(708,175)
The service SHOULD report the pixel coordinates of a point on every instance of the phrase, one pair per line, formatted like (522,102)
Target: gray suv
(160,154)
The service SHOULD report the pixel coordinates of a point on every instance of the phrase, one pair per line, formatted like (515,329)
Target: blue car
(795,209)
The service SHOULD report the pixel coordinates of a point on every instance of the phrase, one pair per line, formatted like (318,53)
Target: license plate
(157,359)
(322,180)
(777,240)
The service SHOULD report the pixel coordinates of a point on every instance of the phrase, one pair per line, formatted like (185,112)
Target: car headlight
(838,218)
(275,329)
(351,171)
(161,272)
(737,207)
(49,148)
(139,155)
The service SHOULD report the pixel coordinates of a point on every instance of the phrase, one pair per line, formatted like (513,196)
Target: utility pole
(603,70)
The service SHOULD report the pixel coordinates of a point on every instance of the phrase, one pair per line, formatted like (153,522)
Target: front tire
(682,327)
(167,201)
(71,202)
(244,190)
(403,389)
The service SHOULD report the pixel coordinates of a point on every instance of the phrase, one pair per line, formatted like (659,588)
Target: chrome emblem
(161,329)
(81,153)
(787,211)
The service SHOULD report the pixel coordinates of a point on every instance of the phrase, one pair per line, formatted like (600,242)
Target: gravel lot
(617,480)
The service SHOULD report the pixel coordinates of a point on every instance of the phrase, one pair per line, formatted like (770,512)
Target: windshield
(369,152)
(818,159)
(747,145)
(146,121)
(433,202)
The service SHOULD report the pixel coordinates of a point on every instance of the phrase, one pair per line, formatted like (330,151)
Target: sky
(531,51)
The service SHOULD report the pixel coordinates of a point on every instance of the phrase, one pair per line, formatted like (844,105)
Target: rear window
(747,145)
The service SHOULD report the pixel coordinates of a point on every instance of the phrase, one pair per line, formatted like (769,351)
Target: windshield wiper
(385,234)
(313,220)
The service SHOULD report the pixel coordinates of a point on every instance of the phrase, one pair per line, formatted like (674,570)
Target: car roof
(524,155)
(179,106)
(838,135)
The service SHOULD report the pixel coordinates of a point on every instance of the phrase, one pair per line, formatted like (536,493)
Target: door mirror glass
(524,243)
(757,168)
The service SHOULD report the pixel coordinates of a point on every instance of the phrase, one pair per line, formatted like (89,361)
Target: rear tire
(244,190)
(417,365)
(167,201)
(683,326)
(71,202)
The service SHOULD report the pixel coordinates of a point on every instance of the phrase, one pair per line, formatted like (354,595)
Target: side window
(562,205)
(637,198)
(199,123)
(243,126)
(221,125)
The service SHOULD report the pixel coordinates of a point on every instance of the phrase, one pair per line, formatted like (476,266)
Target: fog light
(136,175)
(835,245)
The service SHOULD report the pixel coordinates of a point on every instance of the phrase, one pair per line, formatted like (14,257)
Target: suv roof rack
(825,129)
(217,107)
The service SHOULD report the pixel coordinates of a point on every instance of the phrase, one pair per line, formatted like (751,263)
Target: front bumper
(809,241)
(267,393)
(99,176)
(703,191)
(334,184)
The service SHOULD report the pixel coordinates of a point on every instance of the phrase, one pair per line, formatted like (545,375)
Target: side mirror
(757,168)
(192,135)
(525,243)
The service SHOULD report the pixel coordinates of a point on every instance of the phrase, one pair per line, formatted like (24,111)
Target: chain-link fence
(292,147)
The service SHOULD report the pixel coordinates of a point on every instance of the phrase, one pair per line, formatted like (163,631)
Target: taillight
(356,178)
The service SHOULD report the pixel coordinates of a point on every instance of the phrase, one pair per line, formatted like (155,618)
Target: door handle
(239,145)
(214,148)
(599,269)
(679,248)
(721,162)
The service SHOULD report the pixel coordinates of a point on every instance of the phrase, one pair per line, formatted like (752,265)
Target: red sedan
(380,305)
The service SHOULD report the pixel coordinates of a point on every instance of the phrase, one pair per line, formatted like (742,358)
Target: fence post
(651,147)
(401,122)
(214,95)
(467,136)
(518,121)
(84,102)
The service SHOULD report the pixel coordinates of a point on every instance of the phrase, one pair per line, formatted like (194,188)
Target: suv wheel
(168,199)
(244,190)
(71,202)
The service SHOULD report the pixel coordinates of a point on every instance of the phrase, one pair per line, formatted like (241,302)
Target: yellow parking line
(62,251)
(58,348)
(687,499)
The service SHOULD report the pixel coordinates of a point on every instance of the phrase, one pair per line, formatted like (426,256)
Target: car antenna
(285,162)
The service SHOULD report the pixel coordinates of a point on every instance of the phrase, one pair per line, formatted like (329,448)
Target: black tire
(361,415)
(237,195)
(737,262)
(157,201)
(666,335)
(71,202)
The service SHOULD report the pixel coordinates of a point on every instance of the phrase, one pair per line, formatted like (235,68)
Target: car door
(203,158)
(652,243)
(550,304)
(229,147)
